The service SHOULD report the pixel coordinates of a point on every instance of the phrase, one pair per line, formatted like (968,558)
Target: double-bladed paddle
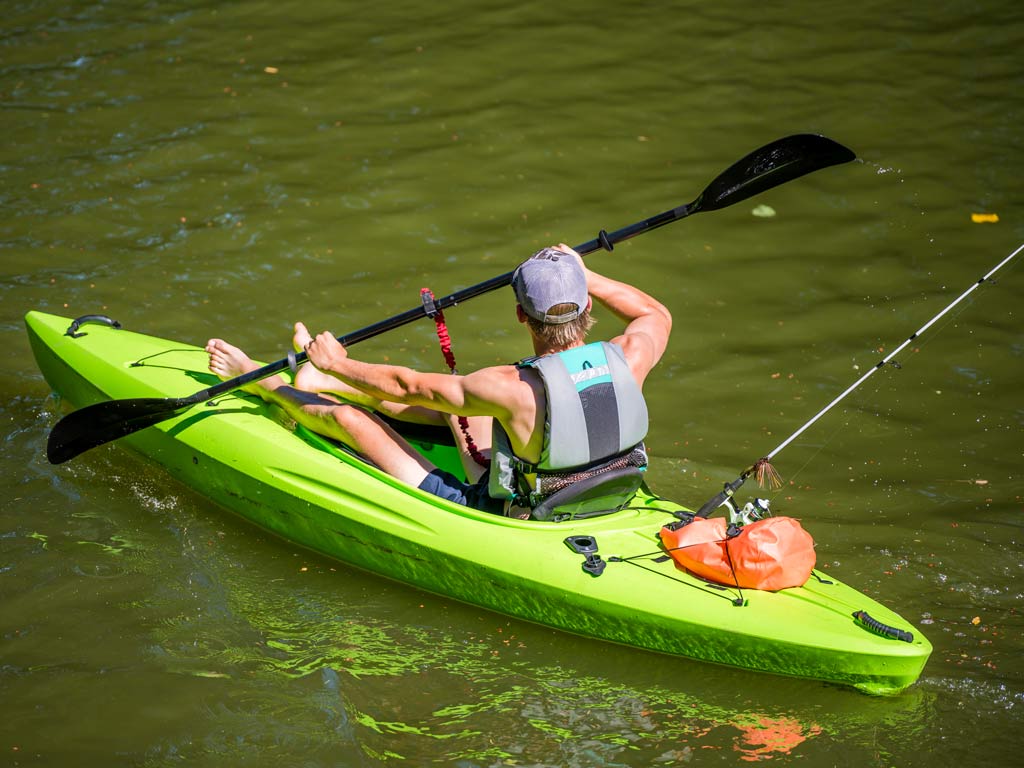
(771,165)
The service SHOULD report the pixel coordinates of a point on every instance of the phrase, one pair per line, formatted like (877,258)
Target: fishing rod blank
(763,466)
(895,352)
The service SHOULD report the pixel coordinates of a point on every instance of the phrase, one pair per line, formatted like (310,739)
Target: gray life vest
(595,412)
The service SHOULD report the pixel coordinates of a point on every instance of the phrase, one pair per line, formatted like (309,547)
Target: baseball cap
(548,278)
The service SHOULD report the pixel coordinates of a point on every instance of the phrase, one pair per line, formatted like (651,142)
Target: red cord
(449,358)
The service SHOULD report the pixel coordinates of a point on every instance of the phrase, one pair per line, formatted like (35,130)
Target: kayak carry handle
(874,625)
(78,322)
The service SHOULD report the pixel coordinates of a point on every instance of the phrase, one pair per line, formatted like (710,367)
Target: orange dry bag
(770,554)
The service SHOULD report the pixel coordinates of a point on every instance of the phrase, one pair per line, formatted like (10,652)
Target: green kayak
(602,577)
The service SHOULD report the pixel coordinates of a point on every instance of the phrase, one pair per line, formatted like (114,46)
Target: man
(604,413)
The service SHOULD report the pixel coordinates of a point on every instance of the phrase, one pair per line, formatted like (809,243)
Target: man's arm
(648,322)
(476,394)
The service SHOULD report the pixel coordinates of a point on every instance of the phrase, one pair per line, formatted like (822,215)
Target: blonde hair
(560,335)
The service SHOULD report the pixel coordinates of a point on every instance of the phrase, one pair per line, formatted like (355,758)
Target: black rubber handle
(78,322)
(874,625)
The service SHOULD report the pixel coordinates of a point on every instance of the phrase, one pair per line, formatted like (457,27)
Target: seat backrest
(598,495)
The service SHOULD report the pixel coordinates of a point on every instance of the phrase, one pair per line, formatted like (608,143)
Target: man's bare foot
(301,337)
(307,377)
(228,361)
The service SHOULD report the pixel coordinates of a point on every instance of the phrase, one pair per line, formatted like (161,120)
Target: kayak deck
(238,452)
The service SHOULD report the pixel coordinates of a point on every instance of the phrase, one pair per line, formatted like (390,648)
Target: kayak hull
(239,452)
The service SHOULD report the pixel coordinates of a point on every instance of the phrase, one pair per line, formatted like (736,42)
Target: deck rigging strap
(708,587)
(445,340)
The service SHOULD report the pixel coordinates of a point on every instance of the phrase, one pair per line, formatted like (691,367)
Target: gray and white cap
(548,278)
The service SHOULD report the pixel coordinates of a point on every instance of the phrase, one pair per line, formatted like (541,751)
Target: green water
(195,168)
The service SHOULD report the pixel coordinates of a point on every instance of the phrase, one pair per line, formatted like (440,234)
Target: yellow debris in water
(271,70)
(984,218)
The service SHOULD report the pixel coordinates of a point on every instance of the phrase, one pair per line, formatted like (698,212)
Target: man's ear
(520,313)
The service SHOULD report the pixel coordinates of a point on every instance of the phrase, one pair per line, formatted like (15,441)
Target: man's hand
(325,351)
(568,249)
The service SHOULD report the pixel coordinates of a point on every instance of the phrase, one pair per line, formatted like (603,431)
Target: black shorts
(475,495)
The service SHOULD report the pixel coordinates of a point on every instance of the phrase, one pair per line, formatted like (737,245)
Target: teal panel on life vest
(587,365)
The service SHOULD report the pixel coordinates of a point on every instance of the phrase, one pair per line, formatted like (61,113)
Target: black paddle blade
(100,423)
(772,165)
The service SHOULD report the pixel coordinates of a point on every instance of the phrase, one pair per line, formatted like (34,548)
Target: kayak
(604,577)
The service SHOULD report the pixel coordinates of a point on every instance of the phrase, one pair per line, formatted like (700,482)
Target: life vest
(595,413)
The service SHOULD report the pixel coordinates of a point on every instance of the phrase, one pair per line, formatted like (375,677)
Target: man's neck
(540,349)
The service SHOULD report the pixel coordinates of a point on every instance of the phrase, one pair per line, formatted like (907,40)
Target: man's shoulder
(505,389)
(505,372)
(503,382)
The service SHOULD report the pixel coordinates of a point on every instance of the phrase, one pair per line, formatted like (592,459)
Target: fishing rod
(763,469)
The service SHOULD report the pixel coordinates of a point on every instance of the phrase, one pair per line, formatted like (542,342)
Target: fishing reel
(752,512)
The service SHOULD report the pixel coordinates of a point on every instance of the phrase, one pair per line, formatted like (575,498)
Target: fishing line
(763,468)
(846,422)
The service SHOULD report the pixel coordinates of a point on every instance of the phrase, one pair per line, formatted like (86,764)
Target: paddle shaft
(769,166)
(451,300)
(766,167)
